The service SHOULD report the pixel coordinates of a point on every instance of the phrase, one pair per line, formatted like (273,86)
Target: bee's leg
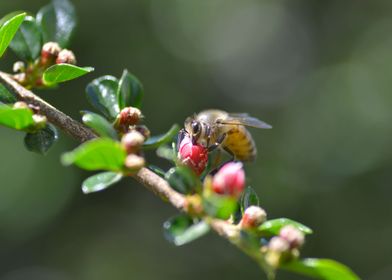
(230,153)
(181,135)
(217,143)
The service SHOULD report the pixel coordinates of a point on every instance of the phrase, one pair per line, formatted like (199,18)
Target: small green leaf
(21,118)
(183,180)
(182,229)
(6,96)
(64,72)
(249,197)
(220,206)
(41,141)
(321,269)
(27,42)
(166,152)
(100,181)
(272,227)
(100,125)
(97,154)
(102,94)
(8,29)
(57,21)
(157,170)
(130,91)
(156,141)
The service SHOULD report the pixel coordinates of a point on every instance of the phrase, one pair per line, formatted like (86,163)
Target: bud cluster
(133,136)
(284,246)
(52,53)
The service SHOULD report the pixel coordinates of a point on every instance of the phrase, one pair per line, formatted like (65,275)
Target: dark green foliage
(130,91)
(99,124)
(100,181)
(156,141)
(183,180)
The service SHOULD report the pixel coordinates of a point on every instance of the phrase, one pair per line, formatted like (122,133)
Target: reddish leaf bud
(127,117)
(193,155)
(253,217)
(293,236)
(230,179)
(66,56)
(49,52)
(134,162)
(132,141)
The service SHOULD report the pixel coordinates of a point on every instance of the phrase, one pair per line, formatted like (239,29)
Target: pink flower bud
(49,52)
(278,244)
(132,141)
(194,156)
(66,56)
(230,179)
(293,236)
(253,217)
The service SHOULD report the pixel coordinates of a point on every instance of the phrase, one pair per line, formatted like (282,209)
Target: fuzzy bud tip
(132,141)
(49,52)
(134,162)
(253,217)
(66,56)
(293,236)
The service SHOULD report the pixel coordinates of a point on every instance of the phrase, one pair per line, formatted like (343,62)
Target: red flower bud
(230,179)
(253,217)
(293,236)
(49,52)
(128,116)
(66,56)
(193,155)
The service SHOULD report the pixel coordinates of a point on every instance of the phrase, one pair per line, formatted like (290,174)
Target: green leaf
(8,29)
(166,152)
(41,141)
(272,227)
(183,180)
(100,181)
(156,141)
(321,269)
(182,229)
(6,96)
(249,197)
(130,91)
(57,21)
(97,154)
(64,72)
(157,170)
(220,206)
(100,125)
(27,42)
(102,94)
(20,118)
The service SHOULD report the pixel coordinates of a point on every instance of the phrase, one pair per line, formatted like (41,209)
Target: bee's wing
(244,119)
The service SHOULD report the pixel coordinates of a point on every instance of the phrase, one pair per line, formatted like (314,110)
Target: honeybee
(217,128)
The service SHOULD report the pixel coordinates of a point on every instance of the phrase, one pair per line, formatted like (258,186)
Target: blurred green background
(318,71)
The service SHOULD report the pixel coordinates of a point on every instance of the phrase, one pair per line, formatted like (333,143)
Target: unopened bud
(253,217)
(66,56)
(20,105)
(134,162)
(194,156)
(278,244)
(293,236)
(40,121)
(128,116)
(49,52)
(230,180)
(132,141)
(18,66)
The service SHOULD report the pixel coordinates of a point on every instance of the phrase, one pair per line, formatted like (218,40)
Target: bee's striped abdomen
(240,143)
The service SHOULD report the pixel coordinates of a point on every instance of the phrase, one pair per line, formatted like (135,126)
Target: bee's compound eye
(195,127)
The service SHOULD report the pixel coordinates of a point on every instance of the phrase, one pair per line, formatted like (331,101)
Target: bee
(217,128)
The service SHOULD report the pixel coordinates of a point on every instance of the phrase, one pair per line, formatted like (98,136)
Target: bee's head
(194,129)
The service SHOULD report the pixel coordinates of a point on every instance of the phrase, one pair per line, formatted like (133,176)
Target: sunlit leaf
(99,124)
(27,41)
(182,229)
(249,197)
(8,30)
(102,94)
(130,91)
(20,118)
(57,21)
(272,227)
(156,141)
(183,180)
(42,140)
(97,154)
(6,96)
(100,181)
(63,72)
(321,269)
